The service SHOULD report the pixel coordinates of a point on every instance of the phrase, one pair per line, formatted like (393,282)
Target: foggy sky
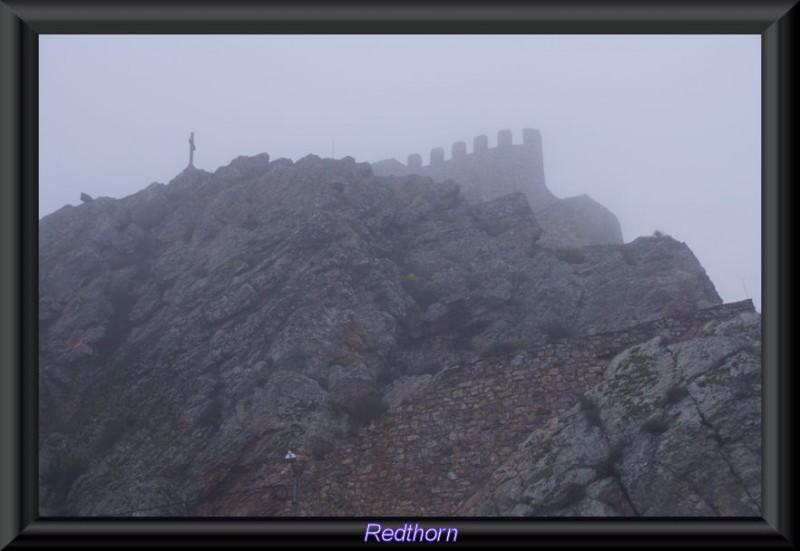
(662,130)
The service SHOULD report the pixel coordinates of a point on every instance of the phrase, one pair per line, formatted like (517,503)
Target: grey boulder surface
(674,429)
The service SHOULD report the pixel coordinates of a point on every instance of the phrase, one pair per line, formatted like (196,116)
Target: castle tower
(532,137)
(504,139)
(480,144)
(414,163)
(532,141)
(437,156)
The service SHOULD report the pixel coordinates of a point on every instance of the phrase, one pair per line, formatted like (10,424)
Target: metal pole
(294,493)
(292,457)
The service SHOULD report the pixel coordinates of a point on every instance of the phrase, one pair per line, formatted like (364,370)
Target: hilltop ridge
(193,332)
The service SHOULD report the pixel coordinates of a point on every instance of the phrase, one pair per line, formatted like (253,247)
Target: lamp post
(291,457)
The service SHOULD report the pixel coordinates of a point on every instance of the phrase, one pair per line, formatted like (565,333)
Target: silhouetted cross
(191,149)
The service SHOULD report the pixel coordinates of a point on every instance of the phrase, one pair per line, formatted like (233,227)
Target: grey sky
(662,130)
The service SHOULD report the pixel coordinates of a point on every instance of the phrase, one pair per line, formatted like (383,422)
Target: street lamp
(291,457)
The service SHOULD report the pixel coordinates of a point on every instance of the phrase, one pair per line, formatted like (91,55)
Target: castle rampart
(480,144)
(486,173)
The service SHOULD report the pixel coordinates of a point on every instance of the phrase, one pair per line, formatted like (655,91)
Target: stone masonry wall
(486,173)
(434,450)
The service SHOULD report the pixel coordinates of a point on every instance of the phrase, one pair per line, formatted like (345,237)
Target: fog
(662,130)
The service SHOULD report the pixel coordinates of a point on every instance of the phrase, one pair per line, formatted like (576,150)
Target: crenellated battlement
(480,145)
(485,173)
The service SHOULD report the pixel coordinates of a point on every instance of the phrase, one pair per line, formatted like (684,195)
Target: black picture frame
(22,21)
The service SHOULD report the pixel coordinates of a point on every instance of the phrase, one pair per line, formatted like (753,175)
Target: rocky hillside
(192,333)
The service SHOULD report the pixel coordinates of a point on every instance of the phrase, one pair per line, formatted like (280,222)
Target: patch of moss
(717,377)
(634,375)
(635,411)
(541,449)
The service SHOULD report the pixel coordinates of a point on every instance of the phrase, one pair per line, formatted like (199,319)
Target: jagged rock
(219,319)
(85,198)
(674,427)
(244,167)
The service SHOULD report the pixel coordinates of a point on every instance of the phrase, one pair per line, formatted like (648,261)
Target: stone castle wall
(486,173)
(430,453)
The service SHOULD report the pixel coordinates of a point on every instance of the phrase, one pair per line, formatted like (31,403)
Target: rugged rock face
(193,332)
(674,428)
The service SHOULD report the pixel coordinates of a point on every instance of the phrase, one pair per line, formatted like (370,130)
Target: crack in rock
(715,433)
(689,483)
